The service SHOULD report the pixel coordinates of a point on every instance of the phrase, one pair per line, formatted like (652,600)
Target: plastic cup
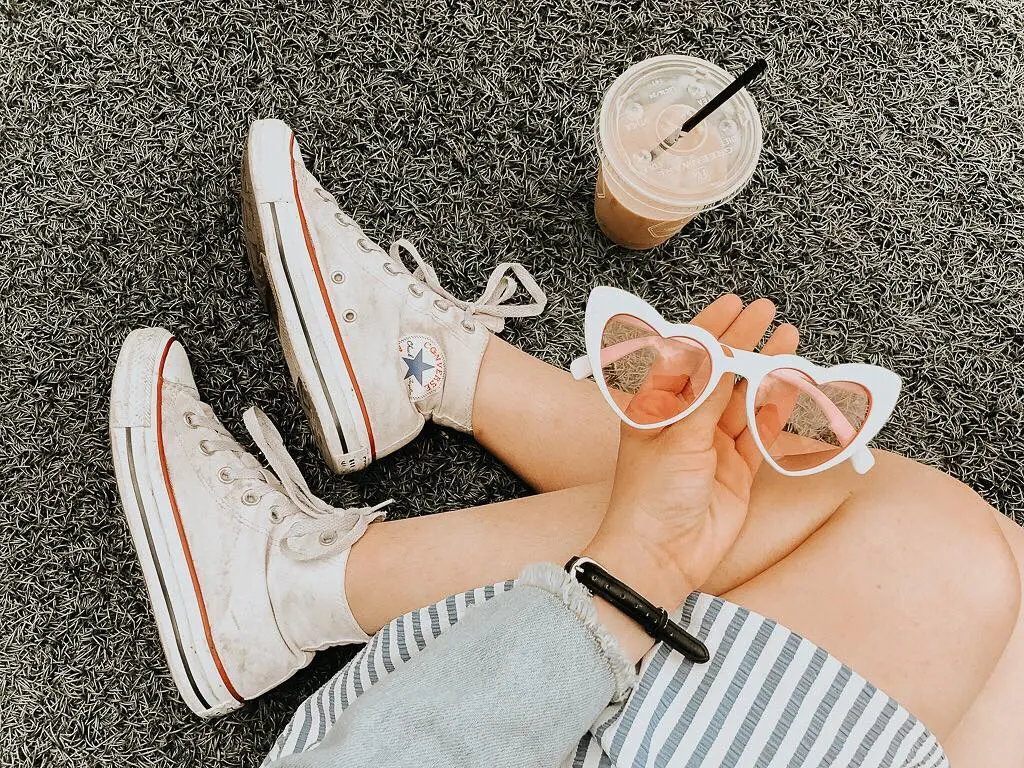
(646,193)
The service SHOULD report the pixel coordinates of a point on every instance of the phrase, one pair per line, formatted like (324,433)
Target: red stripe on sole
(327,303)
(181,528)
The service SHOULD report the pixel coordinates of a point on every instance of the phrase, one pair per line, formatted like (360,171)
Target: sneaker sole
(286,266)
(155,525)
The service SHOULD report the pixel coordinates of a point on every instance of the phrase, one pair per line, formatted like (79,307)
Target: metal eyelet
(328,537)
(391,269)
(204,447)
(189,417)
(349,316)
(250,498)
(275,515)
(365,245)
(324,195)
(225,475)
(444,306)
(338,277)
(415,290)
(469,325)
(343,220)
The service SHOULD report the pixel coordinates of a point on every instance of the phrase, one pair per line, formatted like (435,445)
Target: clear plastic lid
(641,115)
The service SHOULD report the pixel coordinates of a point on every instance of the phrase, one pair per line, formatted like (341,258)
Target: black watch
(654,620)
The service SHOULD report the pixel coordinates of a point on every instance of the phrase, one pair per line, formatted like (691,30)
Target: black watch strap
(654,620)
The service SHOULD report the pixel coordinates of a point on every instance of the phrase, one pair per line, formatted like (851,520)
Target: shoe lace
(321,530)
(490,308)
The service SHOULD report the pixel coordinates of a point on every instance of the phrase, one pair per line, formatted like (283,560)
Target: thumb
(650,406)
(705,419)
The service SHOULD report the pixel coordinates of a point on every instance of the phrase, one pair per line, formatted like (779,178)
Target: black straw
(750,75)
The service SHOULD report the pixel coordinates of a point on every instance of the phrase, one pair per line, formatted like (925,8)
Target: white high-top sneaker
(373,349)
(245,569)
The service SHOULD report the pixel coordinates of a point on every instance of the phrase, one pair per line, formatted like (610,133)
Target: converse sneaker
(245,568)
(373,349)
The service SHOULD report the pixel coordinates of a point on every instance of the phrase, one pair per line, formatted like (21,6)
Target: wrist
(643,566)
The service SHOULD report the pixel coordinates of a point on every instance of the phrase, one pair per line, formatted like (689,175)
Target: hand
(681,493)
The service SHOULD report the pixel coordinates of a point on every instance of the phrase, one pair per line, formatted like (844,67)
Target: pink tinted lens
(821,420)
(670,374)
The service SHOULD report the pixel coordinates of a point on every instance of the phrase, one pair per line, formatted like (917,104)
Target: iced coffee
(653,179)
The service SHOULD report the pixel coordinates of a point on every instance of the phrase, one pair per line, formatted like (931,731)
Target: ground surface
(885,219)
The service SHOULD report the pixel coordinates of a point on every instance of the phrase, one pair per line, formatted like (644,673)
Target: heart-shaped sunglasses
(829,414)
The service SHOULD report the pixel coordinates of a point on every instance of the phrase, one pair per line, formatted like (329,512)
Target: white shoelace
(490,308)
(322,530)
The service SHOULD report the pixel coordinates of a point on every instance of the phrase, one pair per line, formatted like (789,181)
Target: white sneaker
(374,350)
(245,569)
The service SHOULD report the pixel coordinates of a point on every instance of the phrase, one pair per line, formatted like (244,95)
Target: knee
(952,532)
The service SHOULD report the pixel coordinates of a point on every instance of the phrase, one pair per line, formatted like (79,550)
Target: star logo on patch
(424,365)
(417,366)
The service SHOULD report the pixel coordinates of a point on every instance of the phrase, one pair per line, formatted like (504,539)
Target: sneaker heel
(342,464)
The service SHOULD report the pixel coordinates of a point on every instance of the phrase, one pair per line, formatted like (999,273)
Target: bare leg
(562,436)
(990,733)
(917,557)
(907,578)
(911,583)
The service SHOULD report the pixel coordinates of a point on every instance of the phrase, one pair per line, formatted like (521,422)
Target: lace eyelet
(225,475)
(390,268)
(189,418)
(365,245)
(338,277)
(204,448)
(444,306)
(328,537)
(341,219)
(415,290)
(324,195)
(349,316)
(275,515)
(469,325)
(250,498)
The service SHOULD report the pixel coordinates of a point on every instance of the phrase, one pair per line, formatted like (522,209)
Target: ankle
(365,591)
(310,601)
(490,396)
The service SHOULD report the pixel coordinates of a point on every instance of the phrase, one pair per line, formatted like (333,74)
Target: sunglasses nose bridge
(737,362)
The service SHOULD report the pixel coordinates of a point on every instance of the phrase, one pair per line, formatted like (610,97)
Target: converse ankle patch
(424,365)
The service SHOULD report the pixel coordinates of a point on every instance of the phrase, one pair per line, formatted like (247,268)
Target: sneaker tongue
(490,309)
(310,538)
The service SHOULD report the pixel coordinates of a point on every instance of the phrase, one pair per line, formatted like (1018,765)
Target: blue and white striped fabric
(767,698)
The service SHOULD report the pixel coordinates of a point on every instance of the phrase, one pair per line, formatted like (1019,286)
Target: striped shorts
(767,697)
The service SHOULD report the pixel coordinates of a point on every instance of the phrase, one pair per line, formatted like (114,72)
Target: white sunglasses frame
(883,385)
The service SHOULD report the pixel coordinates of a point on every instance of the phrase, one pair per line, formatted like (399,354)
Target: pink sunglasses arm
(840,424)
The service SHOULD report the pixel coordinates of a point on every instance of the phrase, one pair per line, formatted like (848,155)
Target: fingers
(783,341)
(749,327)
(717,316)
(664,392)
(732,470)
(651,405)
